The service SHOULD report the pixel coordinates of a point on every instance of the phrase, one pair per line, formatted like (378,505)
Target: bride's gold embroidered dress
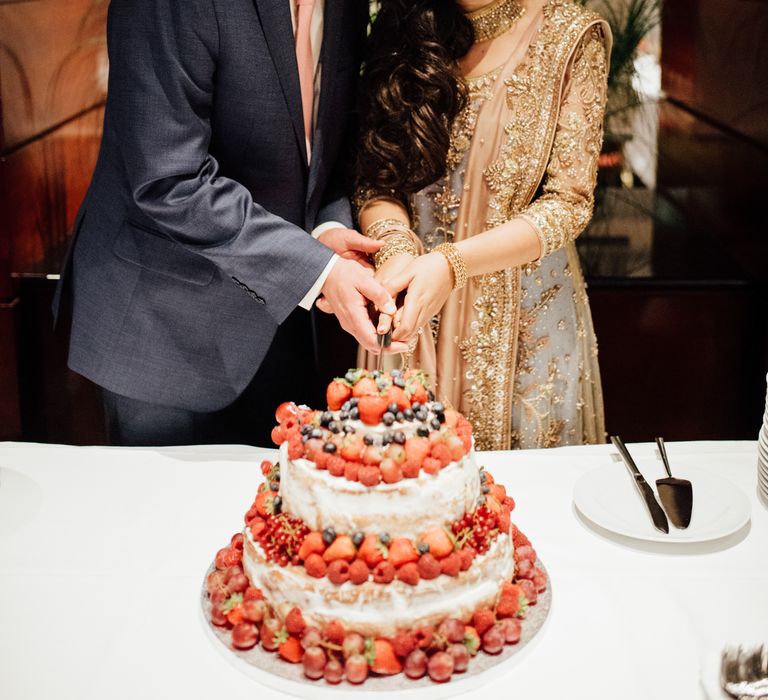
(515,350)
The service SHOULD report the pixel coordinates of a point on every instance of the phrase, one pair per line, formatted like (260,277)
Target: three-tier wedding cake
(376,544)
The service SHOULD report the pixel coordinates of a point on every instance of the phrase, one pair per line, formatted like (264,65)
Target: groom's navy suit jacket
(191,245)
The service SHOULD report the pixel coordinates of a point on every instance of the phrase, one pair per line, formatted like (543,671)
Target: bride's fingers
(411,313)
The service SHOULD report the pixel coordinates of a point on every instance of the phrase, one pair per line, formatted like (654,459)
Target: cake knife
(657,514)
(385,340)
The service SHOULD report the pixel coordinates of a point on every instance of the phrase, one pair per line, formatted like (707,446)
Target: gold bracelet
(381,226)
(456,263)
(400,244)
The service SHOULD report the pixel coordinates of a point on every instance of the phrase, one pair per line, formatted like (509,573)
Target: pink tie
(306,64)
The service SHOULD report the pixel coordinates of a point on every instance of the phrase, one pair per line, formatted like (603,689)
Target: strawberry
(337,394)
(365,387)
(390,472)
(429,567)
(237,541)
(397,395)
(525,568)
(358,572)
(471,640)
(401,552)
(291,650)
(235,615)
(489,480)
(384,572)
(315,566)
(342,548)
(334,632)
(265,503)
(372,408)
(372,551)
(266,466)
(439,543)
(227,557)
(431,465)
(312,543)
(277,435)
(385,662)
(509,602)
(403,643)
(498,492)
(451,565)
(286,411)
(256,526)
(294,622)
(369,476)
(418,392)
(409,573)
(272,634)
(336,465)
(416,449)
(442,453)
(351,471)
(492,504)
(483,620)
(338,572)
(509,502)
(352,448)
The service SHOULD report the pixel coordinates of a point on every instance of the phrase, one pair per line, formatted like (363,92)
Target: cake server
(385,340)
(657,514)
(676,495)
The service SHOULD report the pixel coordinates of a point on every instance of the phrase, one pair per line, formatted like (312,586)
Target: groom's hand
(346,293)
(350,244)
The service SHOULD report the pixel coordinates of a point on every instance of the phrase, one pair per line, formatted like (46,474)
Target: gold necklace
(495,18)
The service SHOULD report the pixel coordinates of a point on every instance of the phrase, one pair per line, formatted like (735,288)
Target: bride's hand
(429,281)
(389,270)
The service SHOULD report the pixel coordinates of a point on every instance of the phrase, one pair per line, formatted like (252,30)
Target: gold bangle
(381,226)
(400,244)
(456,263)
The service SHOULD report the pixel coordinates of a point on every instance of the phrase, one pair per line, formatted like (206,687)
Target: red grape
(218,616)
(451,629)
(415,664)
(334,671)
(353,643)
(238,583)
(268,634)
(493,640)
(253,610)
(511,628)
(314,662)
(356,668)
(440,666)
(215,581)
(460,657)
(244,635)
(311,637)
(529,590)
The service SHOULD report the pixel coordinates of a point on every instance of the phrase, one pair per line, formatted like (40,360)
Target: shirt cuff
(311,296)
(327,226)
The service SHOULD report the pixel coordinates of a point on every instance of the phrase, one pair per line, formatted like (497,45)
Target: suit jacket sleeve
(163,56)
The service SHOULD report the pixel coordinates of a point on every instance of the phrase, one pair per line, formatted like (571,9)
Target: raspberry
(466,555)
(429,567)
(409,573)
(321,459)
(315,566)
(351,470)
(336,464)
(482,620)
(451,565)
(358,572)
(411,469)
(294,622)
(383,572)
(431,465)
(403,643)
(295,448)
(334,632)
(369,476)
(424,636)
(338,571)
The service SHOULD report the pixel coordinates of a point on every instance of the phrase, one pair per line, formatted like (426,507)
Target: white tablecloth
(102,554)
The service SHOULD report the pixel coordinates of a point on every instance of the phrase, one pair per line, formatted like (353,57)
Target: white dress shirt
(316,32)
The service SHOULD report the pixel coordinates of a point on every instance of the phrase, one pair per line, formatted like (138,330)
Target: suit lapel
(275,18)
(332,36)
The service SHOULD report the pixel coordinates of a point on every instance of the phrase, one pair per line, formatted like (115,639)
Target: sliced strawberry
(341,548)
(402,551)
(439,543)
(418,392)
(351,470)
(337,394)
(482,620)
(336,465)
(291,650)
(312,543)
(372,408)
(385,661)
(372,551)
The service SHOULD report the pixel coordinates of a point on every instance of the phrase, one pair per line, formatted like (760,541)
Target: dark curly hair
(411,91)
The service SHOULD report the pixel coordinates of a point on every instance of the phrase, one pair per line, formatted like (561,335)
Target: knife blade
(654,509)
(385,340)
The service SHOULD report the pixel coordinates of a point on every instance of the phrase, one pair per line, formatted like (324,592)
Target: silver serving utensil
(676,495)
(385,340)
(654,509)
(744,672)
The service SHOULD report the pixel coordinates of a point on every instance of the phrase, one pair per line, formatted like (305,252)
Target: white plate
(609,498)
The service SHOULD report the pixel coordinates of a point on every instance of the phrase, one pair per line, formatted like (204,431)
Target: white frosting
(373,608)
(404,509)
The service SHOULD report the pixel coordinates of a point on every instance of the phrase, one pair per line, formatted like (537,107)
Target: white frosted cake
(376,544)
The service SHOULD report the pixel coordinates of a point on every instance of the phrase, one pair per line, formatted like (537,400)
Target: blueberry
(349,429)
(388,418)
(431,395)
(400,438)
(422,414)
(382,385)
(398,381)
(385,538)
(354,401)
(317,433)
(368,439)
(329,447)
(441,417)
(408,414)
(422,547)
(482,477)
(386,439)
(435,423)
(304,438)
(354,414)
(399,416)
(346,405)
(422,431)
(306,429)
(357,538)
(273,486)
(415,405)
(396,372)
(343,415)
(392,408)
(486,489)
(277,504)
(334,427)
(375,374)
(329,535)
(326,418)
(437,407)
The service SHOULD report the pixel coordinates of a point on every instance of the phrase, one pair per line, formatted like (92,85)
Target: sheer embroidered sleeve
(564,207)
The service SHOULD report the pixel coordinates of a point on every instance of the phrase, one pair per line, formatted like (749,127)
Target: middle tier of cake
(402,509)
